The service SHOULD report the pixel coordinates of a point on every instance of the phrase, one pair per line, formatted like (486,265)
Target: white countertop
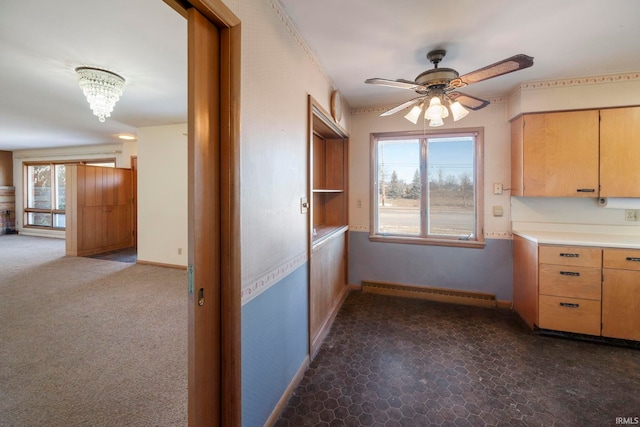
(607,240)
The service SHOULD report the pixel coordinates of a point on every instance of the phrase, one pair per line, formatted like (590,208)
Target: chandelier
(102,89)
(437,111)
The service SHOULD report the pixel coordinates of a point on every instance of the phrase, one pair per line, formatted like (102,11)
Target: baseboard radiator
(479,299)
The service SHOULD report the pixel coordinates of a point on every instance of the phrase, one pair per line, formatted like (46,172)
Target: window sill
(474,244)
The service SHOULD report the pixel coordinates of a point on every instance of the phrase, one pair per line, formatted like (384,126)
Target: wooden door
(525,280)
(214,213)
(620,302)
(560,154)
(620,152)
(134,192)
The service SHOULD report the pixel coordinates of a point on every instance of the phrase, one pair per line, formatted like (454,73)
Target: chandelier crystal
(102,89)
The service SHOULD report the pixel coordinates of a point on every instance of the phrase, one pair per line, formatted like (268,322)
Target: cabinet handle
(569,273)
(586,190)
(633,259)
(570,255)
(569,304)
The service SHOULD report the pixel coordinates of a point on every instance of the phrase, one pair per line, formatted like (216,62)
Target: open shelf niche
(329,163)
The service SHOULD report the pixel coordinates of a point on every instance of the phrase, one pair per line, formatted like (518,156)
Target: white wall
(576,93)
(122,152)
(278,72)
(162,194)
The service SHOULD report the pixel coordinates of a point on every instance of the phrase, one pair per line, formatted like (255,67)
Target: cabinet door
(620,152)
(560,154)
(525,280)
(620,302)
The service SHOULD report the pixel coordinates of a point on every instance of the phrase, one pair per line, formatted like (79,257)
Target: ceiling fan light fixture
(102,89)
(436,110)
(414,114)
(458,111)
(435,122)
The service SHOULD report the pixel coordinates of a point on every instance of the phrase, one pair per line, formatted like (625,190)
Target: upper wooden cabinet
(98,210)
(620,152)
(555,154)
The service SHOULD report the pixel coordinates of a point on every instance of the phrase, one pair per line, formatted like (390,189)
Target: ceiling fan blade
(400,83)
(471,102)
(515,63)
(402,106)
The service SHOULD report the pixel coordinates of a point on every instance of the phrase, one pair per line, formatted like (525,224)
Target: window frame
(26,210)
(478,240)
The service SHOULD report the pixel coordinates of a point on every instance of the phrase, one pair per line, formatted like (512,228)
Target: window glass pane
(450,174)
(39,187)
(399,187)
(39,219)
(59,220)
(60,187)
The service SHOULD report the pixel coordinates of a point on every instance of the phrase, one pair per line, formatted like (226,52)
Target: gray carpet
(89,342)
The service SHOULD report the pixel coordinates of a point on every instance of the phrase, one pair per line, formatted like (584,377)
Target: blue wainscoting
(275,340)
(481,270)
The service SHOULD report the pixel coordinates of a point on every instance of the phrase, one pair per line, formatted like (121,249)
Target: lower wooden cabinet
(585,290)
(621,294)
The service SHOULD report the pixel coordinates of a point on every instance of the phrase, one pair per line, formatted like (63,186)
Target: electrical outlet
(630,215)
(359,203)
(497,188)
(498,210)
(179,251)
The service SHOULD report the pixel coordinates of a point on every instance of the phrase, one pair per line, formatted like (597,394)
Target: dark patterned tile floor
(391,361)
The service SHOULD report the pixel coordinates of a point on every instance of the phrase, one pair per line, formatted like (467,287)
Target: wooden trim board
(478,299)
(275,414)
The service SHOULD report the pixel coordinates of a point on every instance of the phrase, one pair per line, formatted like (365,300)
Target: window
(427,187)
(45,195)
(44,204)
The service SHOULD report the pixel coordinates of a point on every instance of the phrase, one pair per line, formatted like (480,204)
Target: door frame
(226,247)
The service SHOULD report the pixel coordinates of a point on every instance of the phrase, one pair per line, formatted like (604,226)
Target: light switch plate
(304,205)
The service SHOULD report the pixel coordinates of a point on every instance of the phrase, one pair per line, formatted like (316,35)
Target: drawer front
(624,259)
(576,315)
(570,281)
(570,255)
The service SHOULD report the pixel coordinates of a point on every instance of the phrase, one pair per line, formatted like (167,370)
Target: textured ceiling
(42,41)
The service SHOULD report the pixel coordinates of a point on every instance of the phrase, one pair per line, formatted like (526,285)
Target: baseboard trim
(355,287)
(316,342)
(160,264)
(507,305)
(478,299)
(275,414)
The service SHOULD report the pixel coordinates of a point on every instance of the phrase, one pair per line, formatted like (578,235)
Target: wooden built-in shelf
(328,225)
(324,232)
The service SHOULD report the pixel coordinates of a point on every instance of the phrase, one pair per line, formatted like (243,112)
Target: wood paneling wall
(99,205)
(6,168)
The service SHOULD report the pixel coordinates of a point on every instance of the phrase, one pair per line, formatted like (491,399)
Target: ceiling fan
(441,84)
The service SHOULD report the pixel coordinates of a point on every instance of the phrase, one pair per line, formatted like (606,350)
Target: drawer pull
(569,305)
(586,190)
(570,255)
(569,273)
(633,259)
